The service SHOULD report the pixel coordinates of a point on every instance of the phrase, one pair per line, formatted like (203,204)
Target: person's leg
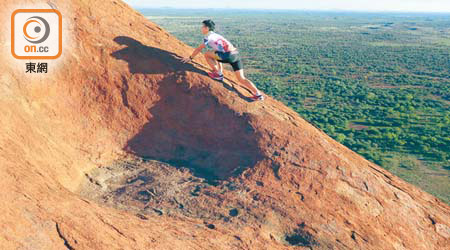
(220,67)
(211,60)
(246,83)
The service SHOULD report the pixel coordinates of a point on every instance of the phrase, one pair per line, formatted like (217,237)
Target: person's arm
(196,51)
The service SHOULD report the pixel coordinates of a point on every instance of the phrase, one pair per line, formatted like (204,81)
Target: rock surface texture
(264,177)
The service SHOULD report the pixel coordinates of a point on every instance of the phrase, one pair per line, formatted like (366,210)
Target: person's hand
(186,59)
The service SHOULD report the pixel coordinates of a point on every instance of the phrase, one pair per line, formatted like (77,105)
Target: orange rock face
(267,179)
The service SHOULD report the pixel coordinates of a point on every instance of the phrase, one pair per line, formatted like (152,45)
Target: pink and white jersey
(217,42)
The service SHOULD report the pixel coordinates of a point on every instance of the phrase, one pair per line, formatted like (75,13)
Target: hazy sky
(358,5)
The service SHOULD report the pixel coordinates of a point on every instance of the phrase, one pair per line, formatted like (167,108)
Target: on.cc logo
(36,34)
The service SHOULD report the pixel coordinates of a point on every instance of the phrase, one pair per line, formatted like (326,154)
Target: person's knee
(240,76)
(210,54)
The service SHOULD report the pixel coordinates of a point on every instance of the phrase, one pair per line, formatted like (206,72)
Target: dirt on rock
(122,146)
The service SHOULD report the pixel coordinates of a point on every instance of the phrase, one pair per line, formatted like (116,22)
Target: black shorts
(228,57)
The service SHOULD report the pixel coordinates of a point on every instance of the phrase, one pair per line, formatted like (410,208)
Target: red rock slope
(119,88)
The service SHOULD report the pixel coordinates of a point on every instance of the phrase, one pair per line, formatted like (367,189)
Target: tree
(371,96)
(340,137)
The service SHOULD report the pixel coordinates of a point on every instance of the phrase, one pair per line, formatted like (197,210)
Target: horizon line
(314,10)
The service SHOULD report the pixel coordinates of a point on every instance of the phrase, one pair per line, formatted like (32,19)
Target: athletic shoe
(216,76)
(259,97)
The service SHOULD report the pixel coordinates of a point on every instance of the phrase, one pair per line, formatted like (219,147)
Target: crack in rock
(66,242)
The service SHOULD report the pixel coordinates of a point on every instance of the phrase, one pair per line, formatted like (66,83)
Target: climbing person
(222,52)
